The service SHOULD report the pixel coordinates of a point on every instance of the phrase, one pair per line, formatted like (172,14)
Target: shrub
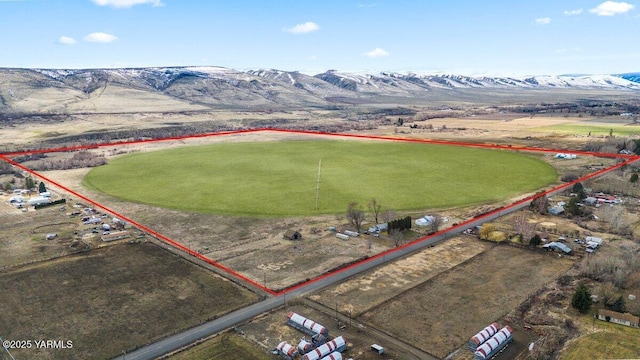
(497,236)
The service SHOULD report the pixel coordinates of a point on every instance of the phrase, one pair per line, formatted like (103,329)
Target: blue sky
(492,37)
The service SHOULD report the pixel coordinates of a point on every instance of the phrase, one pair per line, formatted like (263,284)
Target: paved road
(230,320)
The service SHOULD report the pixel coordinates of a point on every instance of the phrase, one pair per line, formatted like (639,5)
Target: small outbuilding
(377,348)
(292,235)
(556,210)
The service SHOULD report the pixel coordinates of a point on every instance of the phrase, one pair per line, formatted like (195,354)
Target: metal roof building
(286,350)
(482,336)
(338,344)
(308,326)
(557,245)
(494,344)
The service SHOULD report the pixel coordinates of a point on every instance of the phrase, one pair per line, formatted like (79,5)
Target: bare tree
(375,208)
(630,145)
(355,215)
(633,280)
(388,215)
(540,204)
(612,215)
(607,293)
(436,222)
(397,237)
(524,227)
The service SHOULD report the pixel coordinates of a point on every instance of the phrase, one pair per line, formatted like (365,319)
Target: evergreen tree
(634,178)
(572,206)
(578,188)
(535,240)
(619,305)
(41,187)
(29,183)
(581,300)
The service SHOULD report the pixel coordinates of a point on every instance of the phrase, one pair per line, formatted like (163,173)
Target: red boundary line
(5,157)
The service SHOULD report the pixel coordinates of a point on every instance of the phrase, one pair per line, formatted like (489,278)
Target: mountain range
(198,88)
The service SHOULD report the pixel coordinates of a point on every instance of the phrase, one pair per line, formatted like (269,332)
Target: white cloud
(564,50)
(126,3)
(100,37)
(65,40)
(543,21)
(303,28)
(377,52)
(610,8)
(367,5)
(573,12)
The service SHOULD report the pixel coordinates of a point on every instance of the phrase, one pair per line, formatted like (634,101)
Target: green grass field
(594,129)
(279,178)
(613,341)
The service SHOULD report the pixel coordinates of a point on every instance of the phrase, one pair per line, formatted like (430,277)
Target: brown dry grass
(376,287)
(444,312)
(23,234)
(110,300)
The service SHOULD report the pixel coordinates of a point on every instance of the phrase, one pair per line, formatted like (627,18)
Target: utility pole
(318,183)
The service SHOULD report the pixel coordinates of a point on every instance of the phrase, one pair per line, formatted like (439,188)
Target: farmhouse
(292,235)
(619,318)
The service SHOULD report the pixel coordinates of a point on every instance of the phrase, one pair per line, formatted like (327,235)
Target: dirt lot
(109,300)
(269,330)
